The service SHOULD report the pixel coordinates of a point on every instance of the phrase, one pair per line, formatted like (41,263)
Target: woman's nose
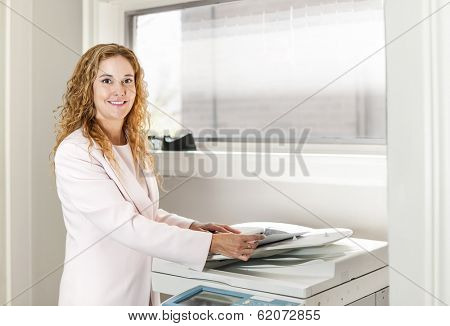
(120,89)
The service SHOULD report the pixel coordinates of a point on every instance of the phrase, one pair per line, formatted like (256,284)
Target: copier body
(348,272)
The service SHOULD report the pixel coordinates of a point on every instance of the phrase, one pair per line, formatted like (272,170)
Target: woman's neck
(115,132)
(118,139)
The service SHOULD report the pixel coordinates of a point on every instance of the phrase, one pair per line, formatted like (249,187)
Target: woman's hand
(234,245)
(213,228)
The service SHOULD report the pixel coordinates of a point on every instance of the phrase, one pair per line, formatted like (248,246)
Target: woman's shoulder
(75,142)
(76,137)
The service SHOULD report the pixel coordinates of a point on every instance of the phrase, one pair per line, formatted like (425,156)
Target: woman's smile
(118,104)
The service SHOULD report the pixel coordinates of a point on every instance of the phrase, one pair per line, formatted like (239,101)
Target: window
(272,64)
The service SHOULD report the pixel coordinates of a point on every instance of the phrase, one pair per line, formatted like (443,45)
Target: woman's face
(114,89)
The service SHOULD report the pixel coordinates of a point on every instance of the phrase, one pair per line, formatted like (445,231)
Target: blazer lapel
(127,183)
(134,190)
(152,188)
(129,186)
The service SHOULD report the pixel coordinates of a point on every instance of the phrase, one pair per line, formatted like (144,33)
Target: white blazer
(114,229)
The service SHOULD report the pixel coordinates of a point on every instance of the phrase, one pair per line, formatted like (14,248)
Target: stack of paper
(281,237)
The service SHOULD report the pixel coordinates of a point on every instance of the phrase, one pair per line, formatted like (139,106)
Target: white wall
(341,190)
(418,81)
(52,65)
(17,152)
(2,159)
(40,67)
(360,208)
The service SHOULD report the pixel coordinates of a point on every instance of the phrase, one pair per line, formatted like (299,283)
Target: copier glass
(208,296)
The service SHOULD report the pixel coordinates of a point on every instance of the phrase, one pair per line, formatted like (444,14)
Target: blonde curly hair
(78,109)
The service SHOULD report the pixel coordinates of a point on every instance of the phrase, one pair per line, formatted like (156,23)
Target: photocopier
(349,271)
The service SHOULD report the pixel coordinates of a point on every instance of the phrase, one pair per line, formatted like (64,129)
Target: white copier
(350,271)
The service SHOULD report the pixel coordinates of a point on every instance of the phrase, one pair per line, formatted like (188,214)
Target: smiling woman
(107,72)
(109,193)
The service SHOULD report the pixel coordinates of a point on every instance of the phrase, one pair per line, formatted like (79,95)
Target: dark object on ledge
(179,143)
(183,143)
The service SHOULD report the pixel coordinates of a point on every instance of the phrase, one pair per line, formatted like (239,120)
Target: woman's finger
(230,229)
(247,252)
(217,228)
(243,257)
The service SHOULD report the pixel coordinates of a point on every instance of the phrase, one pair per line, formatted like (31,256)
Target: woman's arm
(84,188)
(173,219)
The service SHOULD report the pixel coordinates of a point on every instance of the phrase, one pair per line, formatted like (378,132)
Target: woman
(109,193)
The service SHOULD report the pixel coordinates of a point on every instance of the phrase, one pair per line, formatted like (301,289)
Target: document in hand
(281,237)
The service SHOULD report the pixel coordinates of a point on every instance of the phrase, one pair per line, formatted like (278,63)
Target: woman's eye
(128,81)
(107,81)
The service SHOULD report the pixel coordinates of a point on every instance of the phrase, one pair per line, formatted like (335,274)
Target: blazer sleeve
(173,219)
(84,186)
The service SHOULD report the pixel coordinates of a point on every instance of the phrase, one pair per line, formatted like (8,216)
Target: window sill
(323,168)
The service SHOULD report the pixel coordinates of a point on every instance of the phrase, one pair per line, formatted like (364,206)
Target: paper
(283,237)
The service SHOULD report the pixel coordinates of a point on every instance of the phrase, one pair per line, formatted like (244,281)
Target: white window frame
(106,21)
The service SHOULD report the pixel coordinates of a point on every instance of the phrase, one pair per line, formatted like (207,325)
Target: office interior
(372,78)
